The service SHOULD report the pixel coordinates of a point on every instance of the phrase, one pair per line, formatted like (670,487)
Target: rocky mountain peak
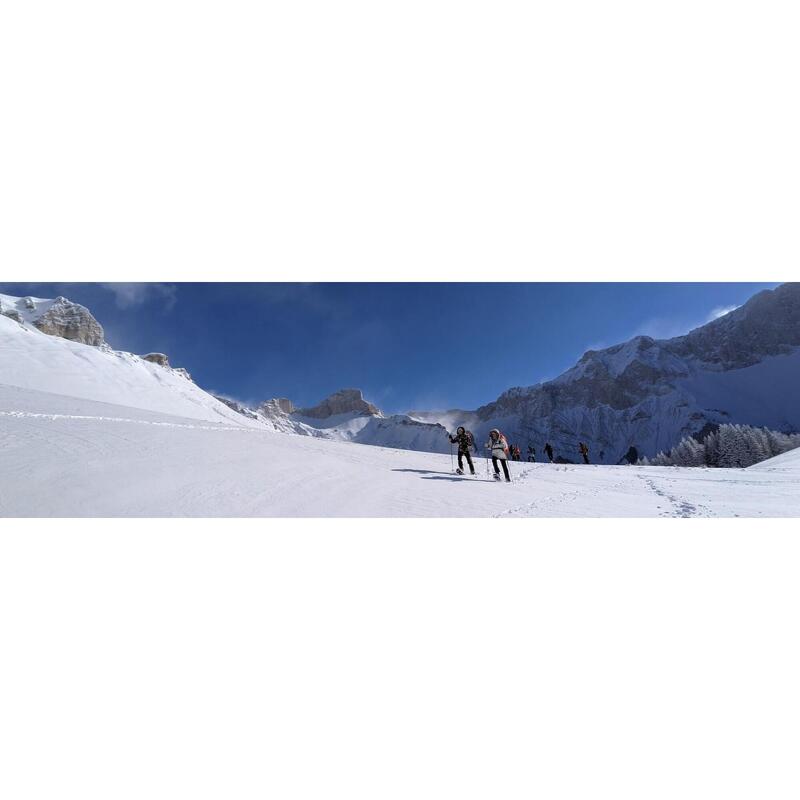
(69,321)
(60,317)
(344,401)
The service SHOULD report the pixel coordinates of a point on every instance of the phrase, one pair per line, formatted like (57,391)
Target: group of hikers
(500,451)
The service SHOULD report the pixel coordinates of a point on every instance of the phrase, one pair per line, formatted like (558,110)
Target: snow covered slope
(648,394)
(24,309)
(31,359)
(108,460)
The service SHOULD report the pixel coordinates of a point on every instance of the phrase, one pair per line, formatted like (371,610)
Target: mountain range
(626,401)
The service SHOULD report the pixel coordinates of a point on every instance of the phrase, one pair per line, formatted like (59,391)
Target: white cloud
(663,328)
(128,295)
(720,311)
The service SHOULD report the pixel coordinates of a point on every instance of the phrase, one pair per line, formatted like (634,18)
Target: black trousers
(495,459)
(585,458)
(461,454)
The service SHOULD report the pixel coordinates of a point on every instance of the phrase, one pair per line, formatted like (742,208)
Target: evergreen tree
(731,446)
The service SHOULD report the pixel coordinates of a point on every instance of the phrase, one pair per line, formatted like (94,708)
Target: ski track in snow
(54,417)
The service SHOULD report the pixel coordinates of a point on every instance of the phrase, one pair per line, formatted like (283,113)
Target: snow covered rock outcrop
(276,406)
(237,407)
(59,317)
(345,401)
(162,361)
(70,321)
(11,313)
(157,358)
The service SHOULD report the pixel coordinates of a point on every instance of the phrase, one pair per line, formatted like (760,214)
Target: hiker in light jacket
(498,449)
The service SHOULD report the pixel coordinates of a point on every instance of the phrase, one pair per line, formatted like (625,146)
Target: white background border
(361,141)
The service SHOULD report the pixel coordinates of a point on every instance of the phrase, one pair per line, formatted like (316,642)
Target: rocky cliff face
(280,404)
(345,401)
(69,321)
(11,313)
(766,325)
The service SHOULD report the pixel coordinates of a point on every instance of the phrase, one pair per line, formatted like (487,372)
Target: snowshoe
(459,471)
(497,476)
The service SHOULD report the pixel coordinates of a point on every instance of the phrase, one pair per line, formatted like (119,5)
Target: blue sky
(406,345)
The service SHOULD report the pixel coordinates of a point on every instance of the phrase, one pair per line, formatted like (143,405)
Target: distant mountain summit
(345,401)
(345,415)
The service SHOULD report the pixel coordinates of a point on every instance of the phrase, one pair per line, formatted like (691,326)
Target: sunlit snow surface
(64,456)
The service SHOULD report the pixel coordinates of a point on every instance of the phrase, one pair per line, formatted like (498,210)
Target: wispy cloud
(720,311)
(128,295)
(227,396)
(665,327)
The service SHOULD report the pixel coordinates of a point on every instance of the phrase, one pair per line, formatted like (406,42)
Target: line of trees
(728,446)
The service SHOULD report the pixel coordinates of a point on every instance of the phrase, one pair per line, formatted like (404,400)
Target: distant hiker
(517,453)
(498,449)
(548,449)
(584,452)
(466,441)
(531,453)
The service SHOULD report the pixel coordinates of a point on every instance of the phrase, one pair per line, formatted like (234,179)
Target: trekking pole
(452,464)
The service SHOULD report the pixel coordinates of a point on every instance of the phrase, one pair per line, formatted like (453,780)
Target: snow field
(68,457)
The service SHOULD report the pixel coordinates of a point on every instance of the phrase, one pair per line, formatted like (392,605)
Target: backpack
(470,438)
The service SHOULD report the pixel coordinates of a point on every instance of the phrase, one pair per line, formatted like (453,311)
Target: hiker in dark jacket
(465,442)
(584,452)
(531,453)
(548,449)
